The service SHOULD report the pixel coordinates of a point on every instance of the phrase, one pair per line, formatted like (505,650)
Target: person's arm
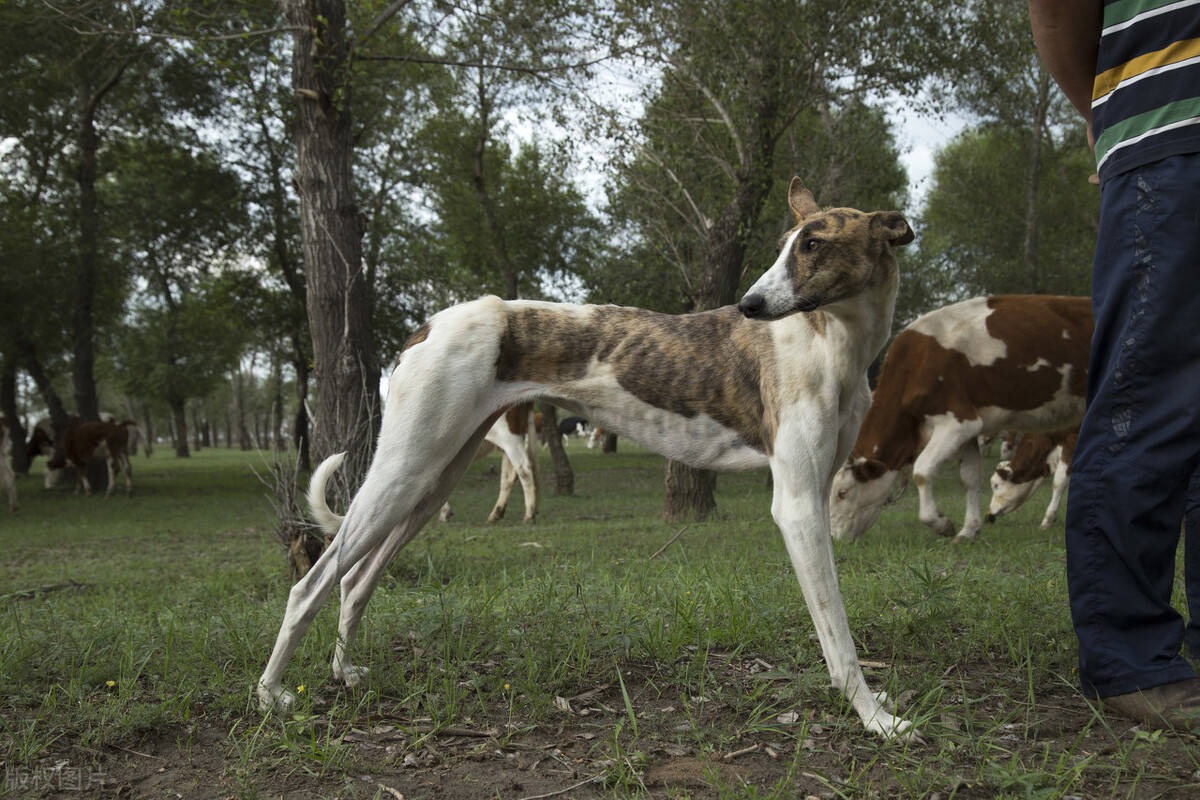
(1067,34)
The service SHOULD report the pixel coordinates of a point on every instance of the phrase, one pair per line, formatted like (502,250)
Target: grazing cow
(572,425)
(1038,455)
(990,364)
(7,476)
(596,438)
(85,440)
(514,434)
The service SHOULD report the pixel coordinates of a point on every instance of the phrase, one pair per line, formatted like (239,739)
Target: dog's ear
(869,469)
(891,226)
(800,200)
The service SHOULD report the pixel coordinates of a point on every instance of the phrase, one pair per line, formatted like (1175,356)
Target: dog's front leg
(801,470)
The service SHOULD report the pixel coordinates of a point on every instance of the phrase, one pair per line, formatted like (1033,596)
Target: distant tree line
(224,217)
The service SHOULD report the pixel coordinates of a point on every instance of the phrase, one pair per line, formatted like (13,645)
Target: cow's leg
(1061,479)
(112,466)
(127,468)
(943,444)
(969,473)
(10,481)
(508,477)
(802,474)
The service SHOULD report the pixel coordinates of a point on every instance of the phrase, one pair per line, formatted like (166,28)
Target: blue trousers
(1139,443)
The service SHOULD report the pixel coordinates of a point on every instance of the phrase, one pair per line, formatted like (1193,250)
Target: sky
(920,136)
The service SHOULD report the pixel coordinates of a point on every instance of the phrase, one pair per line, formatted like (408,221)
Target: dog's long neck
(859,326)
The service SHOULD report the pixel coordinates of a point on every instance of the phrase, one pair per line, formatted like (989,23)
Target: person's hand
(1094,178)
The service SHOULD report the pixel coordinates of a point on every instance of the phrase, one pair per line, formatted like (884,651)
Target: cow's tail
(329,521)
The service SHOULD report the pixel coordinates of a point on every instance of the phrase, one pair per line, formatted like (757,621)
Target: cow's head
(860,491)
(40,443)
(829,255)
(1009,494)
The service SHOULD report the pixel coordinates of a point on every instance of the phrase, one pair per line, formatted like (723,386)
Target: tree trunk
(564,476)
(300,433)
(84,326)
(197,429)
(347,391)
(1033,177)
(8,407)
(277,403)
(239,409)
(149,430)
(179,427)
(59,419)
(688,490)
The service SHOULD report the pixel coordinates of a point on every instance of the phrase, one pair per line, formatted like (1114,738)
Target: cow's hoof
(496,515)
(962,537)
(942,526)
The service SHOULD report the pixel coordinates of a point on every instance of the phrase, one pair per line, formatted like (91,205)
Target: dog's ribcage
(690,387)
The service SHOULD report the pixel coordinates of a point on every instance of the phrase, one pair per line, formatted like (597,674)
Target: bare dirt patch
(980,745)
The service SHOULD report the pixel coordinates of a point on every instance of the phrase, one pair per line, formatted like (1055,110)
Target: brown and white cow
(7,476)
(1037,456)
(86,440)
(985,365)
(514,434)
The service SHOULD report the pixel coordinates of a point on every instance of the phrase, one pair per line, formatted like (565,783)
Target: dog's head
(828,256)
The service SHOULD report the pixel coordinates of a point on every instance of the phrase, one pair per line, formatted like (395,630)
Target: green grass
(700,650)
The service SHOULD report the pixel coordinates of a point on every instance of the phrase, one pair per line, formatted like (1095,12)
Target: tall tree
(183,218)
(736,77)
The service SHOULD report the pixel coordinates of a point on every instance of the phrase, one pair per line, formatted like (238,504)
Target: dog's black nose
(752,305)
(990,518)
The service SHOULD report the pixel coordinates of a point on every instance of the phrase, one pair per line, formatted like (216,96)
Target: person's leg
(1140,438)
(1191,568)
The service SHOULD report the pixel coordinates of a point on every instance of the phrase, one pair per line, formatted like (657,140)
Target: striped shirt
(1146,97)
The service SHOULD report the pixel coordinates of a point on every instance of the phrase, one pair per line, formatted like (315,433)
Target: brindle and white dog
(735,388)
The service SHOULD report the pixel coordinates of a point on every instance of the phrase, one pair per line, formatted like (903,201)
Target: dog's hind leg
(359,584)
(372,515)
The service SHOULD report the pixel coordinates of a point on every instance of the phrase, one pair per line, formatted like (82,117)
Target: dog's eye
(841,494)
(811,244)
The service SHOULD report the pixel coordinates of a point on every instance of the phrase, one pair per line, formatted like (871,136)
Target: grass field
(513,661)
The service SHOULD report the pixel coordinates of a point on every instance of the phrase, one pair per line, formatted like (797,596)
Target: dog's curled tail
(329,521)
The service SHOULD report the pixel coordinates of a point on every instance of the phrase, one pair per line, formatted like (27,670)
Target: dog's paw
(278,700)
(885,700)
(894,729)
(351,675)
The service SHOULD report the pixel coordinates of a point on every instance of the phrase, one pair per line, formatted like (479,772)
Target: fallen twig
(24,593)
(669,542)
(592,779)
(448,730)
(751,749)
